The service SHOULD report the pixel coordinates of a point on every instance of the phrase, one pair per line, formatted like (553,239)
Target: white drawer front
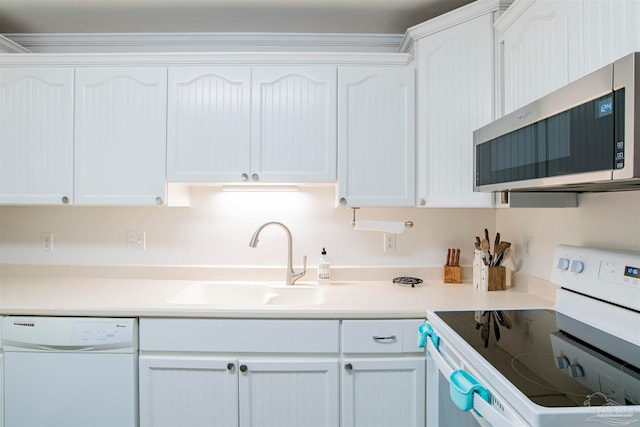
(380,336)
(372,336)
(222,335)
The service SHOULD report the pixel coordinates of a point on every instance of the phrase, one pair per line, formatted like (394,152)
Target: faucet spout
(291,276)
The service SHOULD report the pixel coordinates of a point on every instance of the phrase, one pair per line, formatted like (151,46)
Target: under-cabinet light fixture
(264,188)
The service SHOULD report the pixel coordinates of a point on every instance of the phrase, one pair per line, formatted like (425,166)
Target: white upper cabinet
(455,97)
(536,50)
(36,136)
(267,124)
(376,136)
(608,30)
(208,125)
(294,124)
(549,43)
(120,136)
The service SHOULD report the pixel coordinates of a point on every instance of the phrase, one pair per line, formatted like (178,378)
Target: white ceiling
(294,16)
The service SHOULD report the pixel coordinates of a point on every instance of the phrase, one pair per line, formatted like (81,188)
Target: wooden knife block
(497,278)
(452,274)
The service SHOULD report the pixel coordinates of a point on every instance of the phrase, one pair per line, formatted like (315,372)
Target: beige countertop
(127,291)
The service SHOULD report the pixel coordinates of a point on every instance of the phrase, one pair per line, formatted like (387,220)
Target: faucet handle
(295,276)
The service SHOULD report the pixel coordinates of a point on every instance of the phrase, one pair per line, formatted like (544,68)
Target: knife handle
(448,257)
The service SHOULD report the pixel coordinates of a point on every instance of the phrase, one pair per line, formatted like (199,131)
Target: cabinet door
(294,124)
(608,30)
(120,136)
(208,124)
(376,136)
(383,392)
(455,97)
(36,136)
(536,52)
(188,391)
(289,392)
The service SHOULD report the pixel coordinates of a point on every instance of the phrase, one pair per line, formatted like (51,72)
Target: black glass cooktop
(553,359)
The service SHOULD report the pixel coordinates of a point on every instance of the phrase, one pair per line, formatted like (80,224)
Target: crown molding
(451,19)
(9,46)
(206,42)
(512,15)
(202,59)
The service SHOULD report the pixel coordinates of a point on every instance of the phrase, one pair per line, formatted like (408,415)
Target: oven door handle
(481,408)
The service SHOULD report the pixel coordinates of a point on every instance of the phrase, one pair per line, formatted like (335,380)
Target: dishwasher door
(70,372)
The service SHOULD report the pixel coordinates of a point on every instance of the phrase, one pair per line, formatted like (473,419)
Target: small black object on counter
(413,281)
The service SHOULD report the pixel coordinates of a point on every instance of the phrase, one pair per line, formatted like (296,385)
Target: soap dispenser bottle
(324,268)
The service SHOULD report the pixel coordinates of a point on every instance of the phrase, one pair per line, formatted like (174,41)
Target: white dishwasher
(70,371)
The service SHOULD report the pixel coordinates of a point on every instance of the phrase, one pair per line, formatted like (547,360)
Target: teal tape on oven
(426,330)
(462,385)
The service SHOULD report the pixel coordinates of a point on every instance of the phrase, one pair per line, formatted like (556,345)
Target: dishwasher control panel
(96,333)
(114,335)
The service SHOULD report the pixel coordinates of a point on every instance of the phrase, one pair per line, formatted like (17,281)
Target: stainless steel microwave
(581,137)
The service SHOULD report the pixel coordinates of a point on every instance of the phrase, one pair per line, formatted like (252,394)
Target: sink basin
(247,294)
(297,296)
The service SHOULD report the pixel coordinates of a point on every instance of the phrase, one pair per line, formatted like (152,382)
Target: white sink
(247,294)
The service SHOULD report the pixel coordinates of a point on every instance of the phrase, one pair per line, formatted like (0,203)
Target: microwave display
(586,138)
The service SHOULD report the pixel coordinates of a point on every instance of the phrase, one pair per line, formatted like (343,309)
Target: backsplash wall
(603,220)
(216,229)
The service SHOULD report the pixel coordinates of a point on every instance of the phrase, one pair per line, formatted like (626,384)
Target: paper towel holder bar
(407,224)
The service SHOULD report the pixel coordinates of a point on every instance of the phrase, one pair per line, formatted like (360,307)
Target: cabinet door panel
(289,393)
(536,59)
(120,133)
(208,124)
(294,124)
(455,97)
(36,136)
(383,392)
(608,30)
(376,136)
(188,391)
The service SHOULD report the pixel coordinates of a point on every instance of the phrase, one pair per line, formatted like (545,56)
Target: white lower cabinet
(193,391)
(183,390)
(280,373)
(383,392)
(259,373)
(383,374)
(288,392)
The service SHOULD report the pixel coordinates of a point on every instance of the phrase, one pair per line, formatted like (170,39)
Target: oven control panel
(609,275)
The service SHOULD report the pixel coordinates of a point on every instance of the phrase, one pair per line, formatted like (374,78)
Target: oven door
(456,395)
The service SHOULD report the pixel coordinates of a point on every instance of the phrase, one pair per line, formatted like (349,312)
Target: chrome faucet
(292,276)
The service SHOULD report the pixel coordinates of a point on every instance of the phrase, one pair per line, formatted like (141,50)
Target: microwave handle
(484,412)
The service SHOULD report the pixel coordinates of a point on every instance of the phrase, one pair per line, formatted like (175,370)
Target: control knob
(563,362)
(576,371)
(577,266)
(563,263)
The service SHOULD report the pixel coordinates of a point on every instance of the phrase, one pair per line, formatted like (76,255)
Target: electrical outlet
(136,240)
(389,242)
(527,247)
(46,241)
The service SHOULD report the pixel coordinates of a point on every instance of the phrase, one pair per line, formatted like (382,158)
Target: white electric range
(575,365)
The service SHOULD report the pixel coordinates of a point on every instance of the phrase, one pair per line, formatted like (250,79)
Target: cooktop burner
(551,358)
